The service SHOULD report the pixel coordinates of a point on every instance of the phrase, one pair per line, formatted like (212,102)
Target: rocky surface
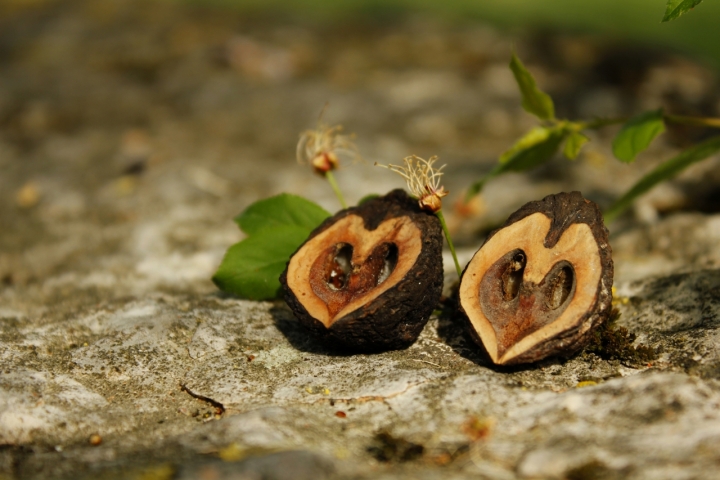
(130,135)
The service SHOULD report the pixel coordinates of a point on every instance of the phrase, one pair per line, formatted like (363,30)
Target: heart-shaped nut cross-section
(541,283)
(348,266)
(370,276)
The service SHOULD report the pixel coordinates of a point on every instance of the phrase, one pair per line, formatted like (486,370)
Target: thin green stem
(331,179)
(449,240)
(709,122)
(602,122)
(694,121)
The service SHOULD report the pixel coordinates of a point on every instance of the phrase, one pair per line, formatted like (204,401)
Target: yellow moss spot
(28,196)
(326,392)
(232,453)
(160,472)
(125,185)
(618,300)
(586,383)
(341,453)
(308,389)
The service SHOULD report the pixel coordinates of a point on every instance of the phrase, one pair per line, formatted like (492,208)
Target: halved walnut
(541,283)
(370,276)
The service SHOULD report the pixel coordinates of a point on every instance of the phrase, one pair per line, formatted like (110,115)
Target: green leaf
(281,210)
(675,8)
(636,135)
(276,226)
(664,171)
(534,148)
(368,197)
(252,267)
(534,100)
(573,144)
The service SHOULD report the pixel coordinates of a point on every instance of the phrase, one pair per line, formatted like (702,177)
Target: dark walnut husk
(368,278)
(542,283)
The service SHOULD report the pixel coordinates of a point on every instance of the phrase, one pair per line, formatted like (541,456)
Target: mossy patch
(613,342)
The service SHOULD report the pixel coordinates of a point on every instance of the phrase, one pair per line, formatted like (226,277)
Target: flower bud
(323,148)
(432,202)
(325,162)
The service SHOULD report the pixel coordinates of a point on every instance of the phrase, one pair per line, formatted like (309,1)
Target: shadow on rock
(299,337)
(453,331)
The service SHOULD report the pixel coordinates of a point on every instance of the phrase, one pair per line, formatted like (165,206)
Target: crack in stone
(368,398)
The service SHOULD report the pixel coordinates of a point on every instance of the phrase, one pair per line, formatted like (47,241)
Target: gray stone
(120,359)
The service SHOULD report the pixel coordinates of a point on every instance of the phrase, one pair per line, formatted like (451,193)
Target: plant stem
(331,179)
(602,122)
(664,171)
(449,240)
(681,119)
(694,121)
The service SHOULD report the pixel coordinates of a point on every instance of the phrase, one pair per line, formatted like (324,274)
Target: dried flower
(323,147)
(423,180)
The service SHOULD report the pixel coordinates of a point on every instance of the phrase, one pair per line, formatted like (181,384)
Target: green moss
(613,342)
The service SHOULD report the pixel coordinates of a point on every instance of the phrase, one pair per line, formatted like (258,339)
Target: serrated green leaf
(280,210)
(276,226)
(664,171)
(573,144)
(636,135)
(251,268)
(675,8)
(534,148)
(534,100)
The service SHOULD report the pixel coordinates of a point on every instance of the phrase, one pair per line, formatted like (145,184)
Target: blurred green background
(696,33)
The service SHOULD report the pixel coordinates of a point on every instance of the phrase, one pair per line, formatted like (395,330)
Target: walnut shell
(541,283)
(369,277)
